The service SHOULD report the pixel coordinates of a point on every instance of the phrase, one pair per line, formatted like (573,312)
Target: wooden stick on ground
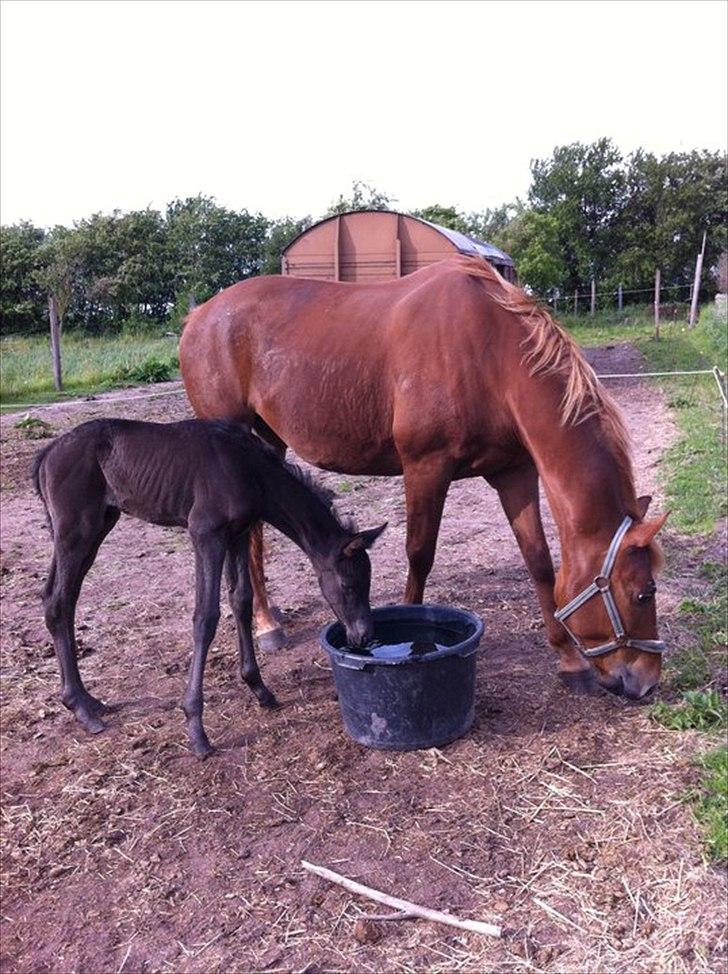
(476,926)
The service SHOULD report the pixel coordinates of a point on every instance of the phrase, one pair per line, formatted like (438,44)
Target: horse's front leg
(209,559)
(426,483)
(240,593)
(519,496)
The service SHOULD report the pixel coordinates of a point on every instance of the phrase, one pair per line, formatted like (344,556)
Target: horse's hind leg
(76,544)
(268,630)
(240,593)
(209,560)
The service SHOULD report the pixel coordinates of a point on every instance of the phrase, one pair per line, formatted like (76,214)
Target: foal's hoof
(267,699)
(96,707)
(91,723)
(271,639)
(581,682)
(203,749)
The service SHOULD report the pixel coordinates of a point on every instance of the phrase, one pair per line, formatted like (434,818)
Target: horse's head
(345,577)
(608,608)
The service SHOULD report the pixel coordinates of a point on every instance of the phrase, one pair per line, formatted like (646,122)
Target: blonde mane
(549,349)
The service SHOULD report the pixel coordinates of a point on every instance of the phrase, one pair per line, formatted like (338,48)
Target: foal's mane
(322,494)
(549,349)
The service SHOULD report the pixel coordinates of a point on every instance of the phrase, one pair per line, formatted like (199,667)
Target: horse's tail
(38,461)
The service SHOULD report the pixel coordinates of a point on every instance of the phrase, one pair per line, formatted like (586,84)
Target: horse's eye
(648,594)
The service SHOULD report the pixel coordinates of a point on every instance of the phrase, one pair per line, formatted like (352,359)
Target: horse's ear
(642,504)
(363,539)
(641,535)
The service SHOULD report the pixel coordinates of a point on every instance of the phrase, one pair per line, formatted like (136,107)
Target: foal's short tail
(35,477)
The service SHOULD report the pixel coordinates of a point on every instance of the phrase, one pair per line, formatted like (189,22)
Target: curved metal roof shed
(379,245)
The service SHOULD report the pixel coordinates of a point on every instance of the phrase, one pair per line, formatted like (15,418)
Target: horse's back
(338,371)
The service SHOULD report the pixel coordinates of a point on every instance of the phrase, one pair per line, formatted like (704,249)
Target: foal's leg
(240,593)
(209,559)
(518,492)
(75,547)
(426,484)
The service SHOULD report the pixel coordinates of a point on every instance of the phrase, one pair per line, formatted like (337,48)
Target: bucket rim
(422,612)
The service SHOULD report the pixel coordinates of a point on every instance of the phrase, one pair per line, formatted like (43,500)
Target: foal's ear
(642,504)
(363,539)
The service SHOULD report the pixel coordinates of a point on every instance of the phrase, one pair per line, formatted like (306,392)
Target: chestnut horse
(448,373)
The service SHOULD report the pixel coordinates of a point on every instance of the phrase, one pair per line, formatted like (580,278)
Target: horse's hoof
(203,749)
(582,682)
(271,639)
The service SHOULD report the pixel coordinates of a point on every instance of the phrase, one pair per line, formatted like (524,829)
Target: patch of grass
(687,669)
(603,329)
(710,802)
(34,428)
(90,364)
(695,666)
(699,710)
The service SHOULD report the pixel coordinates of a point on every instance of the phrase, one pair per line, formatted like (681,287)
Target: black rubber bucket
(421,697)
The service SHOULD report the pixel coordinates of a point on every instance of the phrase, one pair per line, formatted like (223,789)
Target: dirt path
(559,817)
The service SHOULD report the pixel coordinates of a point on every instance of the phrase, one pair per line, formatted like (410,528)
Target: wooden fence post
(657,303)
(55,342)
(619,298)
(696,283)
(593,296)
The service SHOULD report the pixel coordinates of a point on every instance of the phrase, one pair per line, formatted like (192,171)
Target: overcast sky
(278,106)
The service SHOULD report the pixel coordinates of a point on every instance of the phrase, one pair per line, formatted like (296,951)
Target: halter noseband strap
(602,586)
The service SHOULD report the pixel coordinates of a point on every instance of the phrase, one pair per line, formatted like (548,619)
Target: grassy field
(694,479)
(90,364)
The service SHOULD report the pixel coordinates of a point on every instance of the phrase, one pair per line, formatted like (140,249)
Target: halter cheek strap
(602,586)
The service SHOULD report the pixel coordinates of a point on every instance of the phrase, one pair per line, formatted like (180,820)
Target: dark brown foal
(216,480)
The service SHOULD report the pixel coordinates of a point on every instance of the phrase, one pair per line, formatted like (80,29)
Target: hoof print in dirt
(367,932)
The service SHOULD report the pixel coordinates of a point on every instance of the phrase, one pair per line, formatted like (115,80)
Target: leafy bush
(150,370)
(699,710)
(714,323)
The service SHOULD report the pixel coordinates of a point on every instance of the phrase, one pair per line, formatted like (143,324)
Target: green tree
(210,247)
(443,216)
(582,187)
(491,224)
(532,239)
(280,234)
(60,270)
(363,197)
(669,203)
(22,301)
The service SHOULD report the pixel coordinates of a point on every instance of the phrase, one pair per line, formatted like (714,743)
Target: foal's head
(345,575)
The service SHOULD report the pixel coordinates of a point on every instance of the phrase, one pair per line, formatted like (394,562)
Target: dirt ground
(559,817)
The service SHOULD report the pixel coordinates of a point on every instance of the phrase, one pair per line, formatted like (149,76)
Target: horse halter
(602,586)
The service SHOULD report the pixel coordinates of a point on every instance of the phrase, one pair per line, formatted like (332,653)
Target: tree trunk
(55,342)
